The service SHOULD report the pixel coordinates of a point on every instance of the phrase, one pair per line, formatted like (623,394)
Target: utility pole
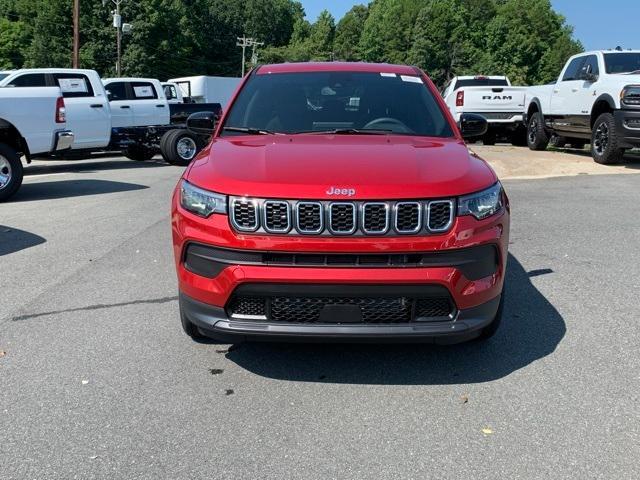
(76,34)
(244,42)
(117,22)
(254,56)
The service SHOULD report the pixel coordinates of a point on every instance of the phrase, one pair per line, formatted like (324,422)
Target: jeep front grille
(341,218)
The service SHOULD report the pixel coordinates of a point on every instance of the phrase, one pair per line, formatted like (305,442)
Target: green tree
(388,30)
(441,44)
(348,33)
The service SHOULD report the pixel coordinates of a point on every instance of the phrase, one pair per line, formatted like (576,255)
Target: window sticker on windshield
(383,74)
(143,91)
(408,78)
(72,85)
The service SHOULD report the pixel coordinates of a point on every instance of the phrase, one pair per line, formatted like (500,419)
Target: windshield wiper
(251,131)
(346,131)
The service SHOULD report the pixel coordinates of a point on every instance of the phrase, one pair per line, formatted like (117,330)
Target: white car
(596,100)
(32,123)
(495,99)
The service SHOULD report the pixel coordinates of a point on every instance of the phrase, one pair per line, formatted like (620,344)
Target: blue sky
(597,25)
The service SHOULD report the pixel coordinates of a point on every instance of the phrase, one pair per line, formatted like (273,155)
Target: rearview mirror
(472,125)
(202,123)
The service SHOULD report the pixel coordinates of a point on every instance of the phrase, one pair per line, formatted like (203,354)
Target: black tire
(489,138)
(491,329)
(519,137)
(139,153)
(605,148)
(179,147)
(537,137)
(11,172)
(558,142)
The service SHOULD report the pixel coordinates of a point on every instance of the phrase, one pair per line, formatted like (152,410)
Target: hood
(340,167)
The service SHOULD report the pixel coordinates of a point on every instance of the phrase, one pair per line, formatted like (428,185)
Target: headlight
(482,204)
(630,95)
(201,202)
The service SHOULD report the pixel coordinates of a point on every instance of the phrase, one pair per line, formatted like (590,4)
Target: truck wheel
(537,137)
(558,142)
(11,172)
(179,147)
(604,141)
(139,153)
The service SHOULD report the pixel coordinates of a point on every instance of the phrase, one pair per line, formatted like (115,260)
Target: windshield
(345,102)
(622,62)
(482,82)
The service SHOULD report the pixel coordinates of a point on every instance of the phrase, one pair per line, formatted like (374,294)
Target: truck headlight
(482,204)
(630,95)
(201,202)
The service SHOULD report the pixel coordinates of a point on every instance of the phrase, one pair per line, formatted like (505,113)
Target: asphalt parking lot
(97,379)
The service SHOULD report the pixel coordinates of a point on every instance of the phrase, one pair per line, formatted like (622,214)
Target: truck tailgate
(493,99)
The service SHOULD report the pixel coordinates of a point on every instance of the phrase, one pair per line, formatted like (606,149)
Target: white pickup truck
(32,123)
(495,99)
(125,114)
(596,100)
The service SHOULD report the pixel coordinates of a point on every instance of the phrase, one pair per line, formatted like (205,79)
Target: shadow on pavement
(532,328)
(42,167)
(71,188)
(13,240)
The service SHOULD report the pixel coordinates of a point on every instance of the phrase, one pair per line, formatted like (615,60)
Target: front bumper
(213,321)
(628,127)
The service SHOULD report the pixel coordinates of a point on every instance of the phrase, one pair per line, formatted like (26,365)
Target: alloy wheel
(186,148)
(601,138)
(5,172)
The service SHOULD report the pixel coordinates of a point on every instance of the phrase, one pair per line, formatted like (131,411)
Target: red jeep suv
(339,202)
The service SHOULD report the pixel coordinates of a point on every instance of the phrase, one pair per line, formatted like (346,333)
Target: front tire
(179,147)
(605,148)
(537,138)
(11,172)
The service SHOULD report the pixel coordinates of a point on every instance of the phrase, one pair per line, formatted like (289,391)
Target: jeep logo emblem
(349,192)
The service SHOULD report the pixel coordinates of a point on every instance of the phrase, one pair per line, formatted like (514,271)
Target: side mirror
(588,75)
(202,123)
(472,125)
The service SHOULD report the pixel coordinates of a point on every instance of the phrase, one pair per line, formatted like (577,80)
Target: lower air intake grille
(247,307)
(310,309)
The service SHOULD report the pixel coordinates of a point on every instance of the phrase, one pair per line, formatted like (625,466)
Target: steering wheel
(388,122)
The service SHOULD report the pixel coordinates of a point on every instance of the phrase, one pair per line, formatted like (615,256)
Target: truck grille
(309,309)
(341,218)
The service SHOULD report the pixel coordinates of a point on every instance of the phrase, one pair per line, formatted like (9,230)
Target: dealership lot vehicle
(321,208)
(132,115)
(32,123)
(494,98)
(596,99)
(202,89)
(98,380)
